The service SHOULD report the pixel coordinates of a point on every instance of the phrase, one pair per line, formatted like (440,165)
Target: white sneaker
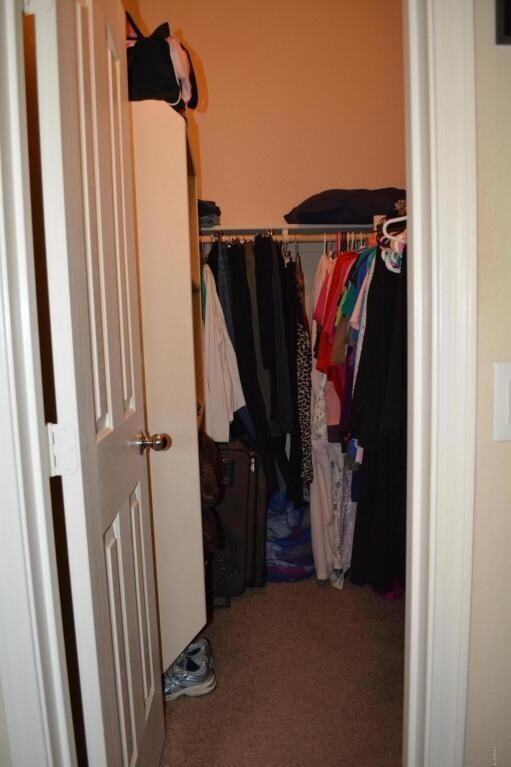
(186,677)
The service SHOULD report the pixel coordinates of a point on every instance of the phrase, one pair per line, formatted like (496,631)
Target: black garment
(379,399)
(213,256)
(273,333)
(224,288)
(379,423)
(290,313)
(264,283)
(379,541)
(245,355)
(283,414)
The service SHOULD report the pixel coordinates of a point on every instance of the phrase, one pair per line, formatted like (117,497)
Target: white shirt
(181,67)
(224,394)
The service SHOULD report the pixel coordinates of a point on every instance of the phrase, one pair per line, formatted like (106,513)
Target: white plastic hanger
(390,221)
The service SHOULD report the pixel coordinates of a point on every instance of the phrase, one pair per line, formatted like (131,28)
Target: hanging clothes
(273,333)
(223,391)
(321,489)
(263,374)
(352,297)
(379,423)
(334,387)
(219,262)
(261,292)
(343,299)
(303,377)
(245,353)
(303,383)
(327,406)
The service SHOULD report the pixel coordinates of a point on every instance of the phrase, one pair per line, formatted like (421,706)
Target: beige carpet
(307,676)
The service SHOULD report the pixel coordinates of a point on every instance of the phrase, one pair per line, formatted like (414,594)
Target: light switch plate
(501,401)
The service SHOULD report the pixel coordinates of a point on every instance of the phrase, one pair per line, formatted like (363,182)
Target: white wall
(489,695)
(296,97)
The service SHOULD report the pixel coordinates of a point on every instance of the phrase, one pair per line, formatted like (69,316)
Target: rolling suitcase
(240,560)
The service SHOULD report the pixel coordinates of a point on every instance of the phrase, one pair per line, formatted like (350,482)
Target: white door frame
(441,148)
(33,674)
(442,353)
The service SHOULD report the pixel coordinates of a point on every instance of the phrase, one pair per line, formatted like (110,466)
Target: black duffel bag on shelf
(151,73)
(345,206)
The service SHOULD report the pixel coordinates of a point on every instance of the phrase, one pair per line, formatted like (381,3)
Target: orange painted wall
(297,97)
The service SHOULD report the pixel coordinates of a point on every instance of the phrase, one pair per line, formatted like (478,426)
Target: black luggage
(240,559)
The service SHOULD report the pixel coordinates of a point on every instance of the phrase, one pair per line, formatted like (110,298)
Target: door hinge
(63,450)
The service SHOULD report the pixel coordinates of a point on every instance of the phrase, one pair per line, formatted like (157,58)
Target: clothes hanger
(388,222)
(392,250)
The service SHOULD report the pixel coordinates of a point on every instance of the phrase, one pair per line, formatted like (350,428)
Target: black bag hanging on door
(151,73)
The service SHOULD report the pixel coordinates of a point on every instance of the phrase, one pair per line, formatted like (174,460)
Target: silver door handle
(158,441)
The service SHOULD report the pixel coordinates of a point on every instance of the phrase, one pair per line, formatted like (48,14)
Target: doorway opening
(438,606)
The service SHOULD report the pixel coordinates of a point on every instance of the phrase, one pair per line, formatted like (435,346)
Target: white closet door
(164,224)
(89,229)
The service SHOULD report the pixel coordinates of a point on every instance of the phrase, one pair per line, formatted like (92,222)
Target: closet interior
(274,344)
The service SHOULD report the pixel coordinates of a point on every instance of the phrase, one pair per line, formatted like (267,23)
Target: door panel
(165,268)
(119,629)
(97,362)
(94,246)
(120,222)
(142,592)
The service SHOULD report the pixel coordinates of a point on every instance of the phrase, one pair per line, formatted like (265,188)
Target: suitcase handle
(228,472)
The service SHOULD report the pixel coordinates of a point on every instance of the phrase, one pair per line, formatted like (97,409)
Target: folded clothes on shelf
(209,214)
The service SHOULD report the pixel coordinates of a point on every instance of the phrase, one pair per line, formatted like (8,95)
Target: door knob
(159,441)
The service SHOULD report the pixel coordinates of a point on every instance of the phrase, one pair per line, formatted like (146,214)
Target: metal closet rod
(288,232)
